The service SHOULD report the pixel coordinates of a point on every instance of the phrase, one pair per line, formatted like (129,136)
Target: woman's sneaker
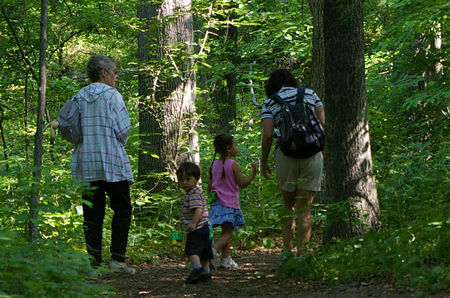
(121,267)
(228,263)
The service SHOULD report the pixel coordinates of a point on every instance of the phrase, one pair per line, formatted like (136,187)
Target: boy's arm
(242,181)
(193,224)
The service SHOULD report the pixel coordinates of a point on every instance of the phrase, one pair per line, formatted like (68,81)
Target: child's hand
(191,226)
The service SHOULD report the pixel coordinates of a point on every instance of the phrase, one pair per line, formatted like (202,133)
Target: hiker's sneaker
(195,275)
(121,267)
(228,263)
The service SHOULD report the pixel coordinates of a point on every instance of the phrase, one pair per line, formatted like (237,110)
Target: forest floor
(255,277)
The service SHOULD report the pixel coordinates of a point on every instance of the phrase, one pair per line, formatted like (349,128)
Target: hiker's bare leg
(223,243)
(288,224)
(304,222)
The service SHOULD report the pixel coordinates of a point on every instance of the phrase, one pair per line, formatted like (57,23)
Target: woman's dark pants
(119,196)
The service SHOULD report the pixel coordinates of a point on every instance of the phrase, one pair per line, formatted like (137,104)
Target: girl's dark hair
(189,169)
(279,78)
(221,143)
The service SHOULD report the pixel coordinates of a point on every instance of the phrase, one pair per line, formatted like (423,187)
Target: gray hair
(98,62)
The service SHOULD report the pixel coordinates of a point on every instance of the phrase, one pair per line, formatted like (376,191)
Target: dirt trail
(255,277)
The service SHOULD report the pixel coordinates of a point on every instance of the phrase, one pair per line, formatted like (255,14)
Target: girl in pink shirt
(225,180)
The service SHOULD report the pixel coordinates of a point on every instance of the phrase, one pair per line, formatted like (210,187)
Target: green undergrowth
(415,256)
(43,270)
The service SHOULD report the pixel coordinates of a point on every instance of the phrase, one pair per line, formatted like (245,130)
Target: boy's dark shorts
(198,243)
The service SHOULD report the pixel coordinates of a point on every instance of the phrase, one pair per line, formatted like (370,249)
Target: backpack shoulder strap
(300,103)
(277,99)
(300,93)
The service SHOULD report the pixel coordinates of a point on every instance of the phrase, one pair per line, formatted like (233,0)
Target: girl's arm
(209,186)
(242,181)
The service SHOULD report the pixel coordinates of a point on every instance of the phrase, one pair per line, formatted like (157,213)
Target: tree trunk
(26,117)
(318,54)
(318,67)
(167,111)
(149,130)
(350,182)
(225,96)
(38,148)
(2,132)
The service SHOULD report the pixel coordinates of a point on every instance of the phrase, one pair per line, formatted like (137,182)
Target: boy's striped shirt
(192,200)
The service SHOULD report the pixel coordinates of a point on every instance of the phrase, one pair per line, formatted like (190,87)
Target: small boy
(195,218)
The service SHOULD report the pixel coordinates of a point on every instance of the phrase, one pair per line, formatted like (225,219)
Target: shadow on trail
(255,277)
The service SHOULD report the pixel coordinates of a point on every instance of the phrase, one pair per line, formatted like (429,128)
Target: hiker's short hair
(98,62)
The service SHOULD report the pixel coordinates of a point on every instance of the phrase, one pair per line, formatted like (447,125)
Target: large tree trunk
(167,111)
(318,54)
(38,148)
(318,66)
(350,182)
(149,130)
(224,97)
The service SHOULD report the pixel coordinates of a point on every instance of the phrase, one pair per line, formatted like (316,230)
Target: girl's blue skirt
(219,214)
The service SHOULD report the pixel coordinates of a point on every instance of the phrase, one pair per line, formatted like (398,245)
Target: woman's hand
(254,168)
(266,170)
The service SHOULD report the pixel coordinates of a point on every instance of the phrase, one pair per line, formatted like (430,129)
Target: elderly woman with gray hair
(101,160)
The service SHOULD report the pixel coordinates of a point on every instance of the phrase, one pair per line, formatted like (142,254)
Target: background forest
(224,60)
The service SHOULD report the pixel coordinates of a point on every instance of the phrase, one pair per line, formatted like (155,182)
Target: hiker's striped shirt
(271,109)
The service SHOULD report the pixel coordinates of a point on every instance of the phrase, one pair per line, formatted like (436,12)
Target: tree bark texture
(350,182)
(318,54)
(224,97)
(167,111)
(38,137)
(318,67)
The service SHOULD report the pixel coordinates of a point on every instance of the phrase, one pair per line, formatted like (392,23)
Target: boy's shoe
(205,277)
(228,263)
(195,275)
(121,267)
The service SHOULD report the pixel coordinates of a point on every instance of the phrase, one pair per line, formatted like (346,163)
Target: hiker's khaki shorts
(298,173)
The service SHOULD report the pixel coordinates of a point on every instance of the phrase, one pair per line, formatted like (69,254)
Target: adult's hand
(266,143)
(266,170)
(54,124)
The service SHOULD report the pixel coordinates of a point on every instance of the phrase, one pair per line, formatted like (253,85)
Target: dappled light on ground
(256,276)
